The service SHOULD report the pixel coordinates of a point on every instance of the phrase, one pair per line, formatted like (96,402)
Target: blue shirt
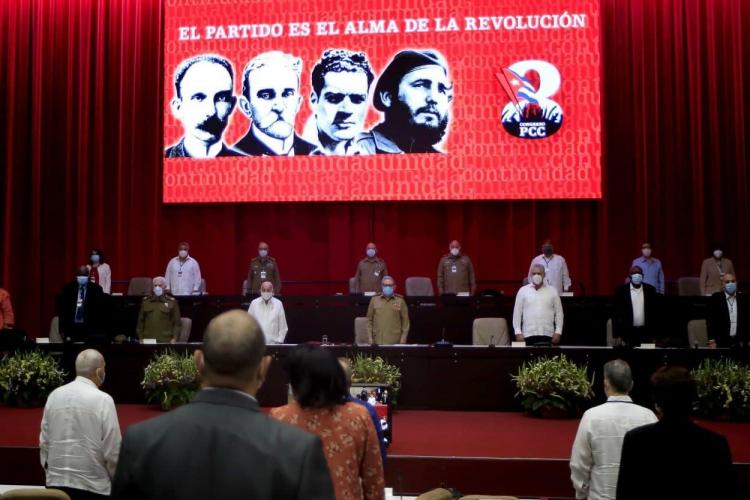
(652,272)
(376,421)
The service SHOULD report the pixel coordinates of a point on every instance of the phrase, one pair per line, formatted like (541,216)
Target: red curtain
(81,147)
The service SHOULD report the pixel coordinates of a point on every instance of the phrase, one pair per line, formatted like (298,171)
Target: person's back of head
(233,348)
(674,391)
(317,378)
(90,364)
(618,378)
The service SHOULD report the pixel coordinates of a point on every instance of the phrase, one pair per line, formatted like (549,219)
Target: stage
(474,452)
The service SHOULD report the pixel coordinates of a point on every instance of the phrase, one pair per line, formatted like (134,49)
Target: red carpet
(419,433)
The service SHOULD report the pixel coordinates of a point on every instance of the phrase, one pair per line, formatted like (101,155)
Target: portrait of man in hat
(414,93)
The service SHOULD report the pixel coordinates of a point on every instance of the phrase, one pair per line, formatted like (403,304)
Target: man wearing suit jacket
(726,316)
(636,311)
(674,458)
(220,446)
(79,309)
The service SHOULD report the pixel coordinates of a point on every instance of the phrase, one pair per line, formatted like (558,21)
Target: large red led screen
(324,100)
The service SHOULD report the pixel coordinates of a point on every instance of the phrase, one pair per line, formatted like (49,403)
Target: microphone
(442,342)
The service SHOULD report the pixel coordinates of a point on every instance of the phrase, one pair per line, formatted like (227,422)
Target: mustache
(342,117)
(212,125)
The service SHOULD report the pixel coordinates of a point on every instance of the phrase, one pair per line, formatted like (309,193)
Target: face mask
(371,252)
(82,280)
(454,251)
(636,278)
(718,254)
(387,291)
(266,295)
(263,253)
(646,252)
(731,288)
(102,377)
(94,259)
(547,250)
(536,279)
(158,291)
(182,254)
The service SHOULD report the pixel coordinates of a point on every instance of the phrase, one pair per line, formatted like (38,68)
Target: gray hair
(275,59)
(88,361)
(537,266)
(617,372)
(159,279)
(387,278)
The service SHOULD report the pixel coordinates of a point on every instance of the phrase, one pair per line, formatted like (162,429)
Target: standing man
(220,445)
(414,93)
(556,272)
(595,459)
(370,271)
(537,313)
(387,316)
(159,316)
(455,273)
(341,83)
(269,313)
(635,315)
(653,274)
(79,441)
(183,273)
(713,270)
(726,316)
(263,268)
(271,99)
(203,102)
(80,309)
(7,318)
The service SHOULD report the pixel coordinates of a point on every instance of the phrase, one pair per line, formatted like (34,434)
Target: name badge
(179,273)
(377,273)
(454,269)
(262,275)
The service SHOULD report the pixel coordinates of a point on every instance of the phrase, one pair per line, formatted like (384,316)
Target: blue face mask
(95,259)
(636,278)
(731,288)
(387,291)
(371,252)
(82,280)
(263,253)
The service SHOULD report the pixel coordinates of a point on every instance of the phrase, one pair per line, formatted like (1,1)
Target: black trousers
(76,494)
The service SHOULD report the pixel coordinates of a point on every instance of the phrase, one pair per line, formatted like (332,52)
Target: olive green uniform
(263,269)
(456,274)
(388,320)
(159,318)
(370,273)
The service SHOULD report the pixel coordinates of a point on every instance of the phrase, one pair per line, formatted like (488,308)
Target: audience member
(538,313)
(726,316)
(674,458)
(555,267)
(595,459)
(455,273)
(387,316)
(322,407)
(713,270)
(183,273)
(159,316)
(220,445)
(269,312)
(80,438)
(7,318)
(635,315)
(370,271)
(263,268)
(80,308)
(653,274)
(99,271)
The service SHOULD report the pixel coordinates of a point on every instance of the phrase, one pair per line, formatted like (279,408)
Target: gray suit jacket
(220,446)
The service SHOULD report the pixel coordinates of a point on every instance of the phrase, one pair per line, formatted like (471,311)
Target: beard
(413,137)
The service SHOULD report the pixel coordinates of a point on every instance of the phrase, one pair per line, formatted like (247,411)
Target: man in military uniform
(159,317)
(387,316)
(456,272)
(370,271)
(263,268)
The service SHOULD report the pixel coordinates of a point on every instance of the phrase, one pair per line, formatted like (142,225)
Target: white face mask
(182,254)
(263,253)
(646,252)
(158,291)
(266,295)
(718,254)
(371,252)
(455,251)
(536,279)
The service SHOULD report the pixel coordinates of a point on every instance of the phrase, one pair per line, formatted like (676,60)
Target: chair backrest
(610,335)
(420,286)
(186,324)
(360,331)
(245,290)
(525,281)
(688,286)
(36,494)
(353,285)
(54,331)
(202,286)
(436,494)
(486,331)
(697,333)
(140,285)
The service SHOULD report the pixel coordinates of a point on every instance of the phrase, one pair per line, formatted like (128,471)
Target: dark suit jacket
(718,320)
(178,151)
(93,305)
(250,145)
(622,313)
(220,446)
(675,460)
